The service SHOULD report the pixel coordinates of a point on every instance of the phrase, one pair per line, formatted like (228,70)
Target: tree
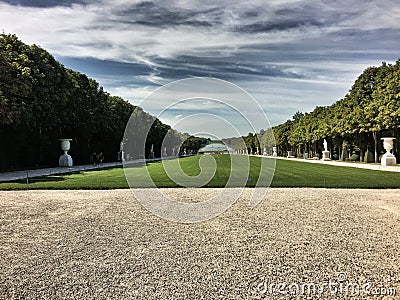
(370,109)
(282,135)
(42,101)
(297,116)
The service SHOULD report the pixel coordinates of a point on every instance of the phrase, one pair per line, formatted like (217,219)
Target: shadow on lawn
(54,178)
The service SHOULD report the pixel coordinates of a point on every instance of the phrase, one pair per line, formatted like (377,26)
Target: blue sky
(289,55)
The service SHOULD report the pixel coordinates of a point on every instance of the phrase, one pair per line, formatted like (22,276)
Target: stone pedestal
(388,159)
(326,155)
(65,159)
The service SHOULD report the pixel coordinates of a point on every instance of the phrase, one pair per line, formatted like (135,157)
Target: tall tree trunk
(40,146)
(375,146)
(345,152)
(396,141)
(316,149)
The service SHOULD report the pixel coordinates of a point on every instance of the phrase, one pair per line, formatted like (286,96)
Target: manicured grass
(243,170)
(302,174)
(287,174)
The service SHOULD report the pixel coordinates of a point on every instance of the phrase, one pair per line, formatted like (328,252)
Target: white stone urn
(388,159)
(388,144)
(65,159)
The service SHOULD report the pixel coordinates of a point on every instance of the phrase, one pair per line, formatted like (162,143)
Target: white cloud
(81,30)
(291,55)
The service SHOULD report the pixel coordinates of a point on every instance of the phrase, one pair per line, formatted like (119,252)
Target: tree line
(41,101)
(352,126)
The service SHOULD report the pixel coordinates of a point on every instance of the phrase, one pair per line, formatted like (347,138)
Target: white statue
(151,151)
(325,154)
(325,145)
(121,153)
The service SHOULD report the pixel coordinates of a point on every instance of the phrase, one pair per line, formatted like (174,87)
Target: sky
(289,55)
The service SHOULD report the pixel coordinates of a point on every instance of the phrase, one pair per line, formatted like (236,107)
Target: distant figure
(151,155)
(93,158)
(121,153)
(99,159)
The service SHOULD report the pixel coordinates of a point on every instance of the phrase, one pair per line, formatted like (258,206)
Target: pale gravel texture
(104,245)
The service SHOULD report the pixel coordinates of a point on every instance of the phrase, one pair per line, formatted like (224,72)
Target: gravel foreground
(105,245)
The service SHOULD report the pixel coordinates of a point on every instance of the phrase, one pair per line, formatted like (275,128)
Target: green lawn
(287,174)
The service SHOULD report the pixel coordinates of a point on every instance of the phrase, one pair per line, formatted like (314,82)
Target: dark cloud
(278,25)
(229,68)
(296,16)
(341,45)
(153,14)
(44,3)
(250,13)
(291,52)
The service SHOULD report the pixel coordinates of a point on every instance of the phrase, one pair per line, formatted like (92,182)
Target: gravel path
(104,245)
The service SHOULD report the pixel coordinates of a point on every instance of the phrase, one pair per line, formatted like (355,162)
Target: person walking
(100,159)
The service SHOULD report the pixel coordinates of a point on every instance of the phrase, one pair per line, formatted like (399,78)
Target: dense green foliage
(42,101)
(353,125)
(287,174)
(193,143)
(250,143)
